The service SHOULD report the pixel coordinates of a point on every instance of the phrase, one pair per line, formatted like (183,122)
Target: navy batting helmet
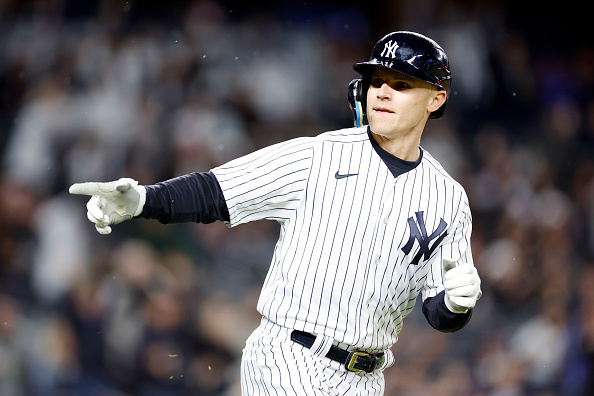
(409,53)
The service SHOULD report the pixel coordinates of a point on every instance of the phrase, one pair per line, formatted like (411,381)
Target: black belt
(356,361)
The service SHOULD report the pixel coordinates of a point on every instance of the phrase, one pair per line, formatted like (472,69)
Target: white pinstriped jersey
(357,245)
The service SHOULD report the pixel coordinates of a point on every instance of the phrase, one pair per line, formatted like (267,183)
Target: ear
(437,100)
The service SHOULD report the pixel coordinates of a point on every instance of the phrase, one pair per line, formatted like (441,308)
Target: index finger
(85,189)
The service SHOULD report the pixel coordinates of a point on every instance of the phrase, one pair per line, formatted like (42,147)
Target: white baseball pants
(272,364)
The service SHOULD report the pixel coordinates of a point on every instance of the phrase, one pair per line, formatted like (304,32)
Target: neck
(405,148)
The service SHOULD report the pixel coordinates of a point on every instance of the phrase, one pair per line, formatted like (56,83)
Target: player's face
(398,104)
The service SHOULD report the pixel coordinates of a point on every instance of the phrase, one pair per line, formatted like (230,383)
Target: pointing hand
(112,202)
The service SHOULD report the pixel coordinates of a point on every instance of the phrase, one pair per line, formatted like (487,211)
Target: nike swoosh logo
(339,176)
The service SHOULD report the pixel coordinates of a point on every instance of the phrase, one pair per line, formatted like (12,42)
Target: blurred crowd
(103,89)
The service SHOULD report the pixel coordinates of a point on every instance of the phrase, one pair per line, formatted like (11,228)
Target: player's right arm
(196,197)
(266,184)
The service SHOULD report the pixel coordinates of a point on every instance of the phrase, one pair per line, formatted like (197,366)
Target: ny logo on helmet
(390,49)
(418,232)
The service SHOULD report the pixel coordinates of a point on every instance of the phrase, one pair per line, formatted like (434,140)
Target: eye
(400,85)
(377,82)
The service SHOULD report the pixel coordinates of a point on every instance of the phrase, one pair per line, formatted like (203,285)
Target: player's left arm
(455,279)
(451,309)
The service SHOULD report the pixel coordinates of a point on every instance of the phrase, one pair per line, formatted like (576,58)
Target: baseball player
(369,220)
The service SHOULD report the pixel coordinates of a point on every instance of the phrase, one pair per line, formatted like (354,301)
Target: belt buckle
(352,361)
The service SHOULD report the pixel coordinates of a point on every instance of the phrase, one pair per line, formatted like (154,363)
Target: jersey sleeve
(266,184)
(455,247)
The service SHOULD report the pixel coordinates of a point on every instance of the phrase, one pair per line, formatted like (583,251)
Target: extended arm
(196,197)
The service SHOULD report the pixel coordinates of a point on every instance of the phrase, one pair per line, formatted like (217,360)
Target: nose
(384,91)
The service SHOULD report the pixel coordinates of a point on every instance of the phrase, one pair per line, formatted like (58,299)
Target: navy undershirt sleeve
(195,197)
(441,318)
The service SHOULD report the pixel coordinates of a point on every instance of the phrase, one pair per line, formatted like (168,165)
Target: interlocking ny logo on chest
(418,232)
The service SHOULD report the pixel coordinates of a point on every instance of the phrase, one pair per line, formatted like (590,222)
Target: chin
(380,128)
(380,133)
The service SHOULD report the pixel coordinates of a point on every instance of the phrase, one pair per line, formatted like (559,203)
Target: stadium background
(96,90)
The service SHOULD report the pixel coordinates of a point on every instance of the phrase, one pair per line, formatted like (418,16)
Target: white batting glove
(112,202)
(462,286)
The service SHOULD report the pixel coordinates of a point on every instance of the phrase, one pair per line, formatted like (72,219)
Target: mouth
(382,110)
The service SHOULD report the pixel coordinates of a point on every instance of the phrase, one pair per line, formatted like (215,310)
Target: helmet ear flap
(357,102)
